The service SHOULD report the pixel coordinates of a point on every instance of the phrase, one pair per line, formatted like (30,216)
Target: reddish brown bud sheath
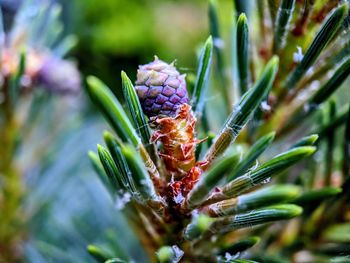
(177,135)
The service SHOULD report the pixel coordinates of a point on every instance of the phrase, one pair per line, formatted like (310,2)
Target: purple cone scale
(160,88)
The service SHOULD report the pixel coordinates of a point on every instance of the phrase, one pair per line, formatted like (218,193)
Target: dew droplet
(219,43)
(178,253)
(265,106)
(298,55)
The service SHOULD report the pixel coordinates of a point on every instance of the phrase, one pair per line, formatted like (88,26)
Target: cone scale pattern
(160,88)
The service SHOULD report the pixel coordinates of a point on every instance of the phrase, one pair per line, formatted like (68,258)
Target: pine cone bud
(60,76)
(160,88)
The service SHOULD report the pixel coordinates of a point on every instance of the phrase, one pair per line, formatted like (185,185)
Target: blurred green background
(121,34)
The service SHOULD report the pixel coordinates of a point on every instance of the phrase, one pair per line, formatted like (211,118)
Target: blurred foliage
(68,206)
(116,34)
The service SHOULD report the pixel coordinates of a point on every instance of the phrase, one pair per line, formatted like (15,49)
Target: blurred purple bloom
(59,76)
